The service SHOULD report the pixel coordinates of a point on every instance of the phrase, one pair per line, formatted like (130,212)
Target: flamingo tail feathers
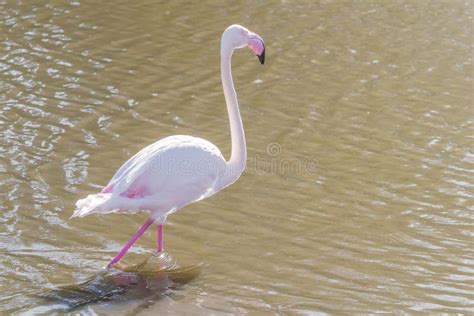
(104,203)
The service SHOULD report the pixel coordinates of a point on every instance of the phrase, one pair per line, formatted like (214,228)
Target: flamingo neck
(238,157)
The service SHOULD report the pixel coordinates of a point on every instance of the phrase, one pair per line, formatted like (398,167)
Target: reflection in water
(150,279)
(358,192)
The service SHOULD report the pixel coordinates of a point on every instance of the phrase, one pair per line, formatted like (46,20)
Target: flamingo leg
(130,243)
(159,241)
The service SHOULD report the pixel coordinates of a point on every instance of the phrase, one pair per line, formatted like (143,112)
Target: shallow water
(358,196)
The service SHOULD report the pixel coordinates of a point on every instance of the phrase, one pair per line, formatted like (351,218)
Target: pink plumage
(178,170)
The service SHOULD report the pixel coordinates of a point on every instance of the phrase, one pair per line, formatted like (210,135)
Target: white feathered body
(161,178)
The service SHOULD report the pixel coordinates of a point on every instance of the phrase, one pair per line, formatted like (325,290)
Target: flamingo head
(237,36)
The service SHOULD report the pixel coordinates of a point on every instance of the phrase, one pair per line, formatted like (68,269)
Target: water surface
(358,196)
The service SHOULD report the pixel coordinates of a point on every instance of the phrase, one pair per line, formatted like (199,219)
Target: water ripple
(377,96)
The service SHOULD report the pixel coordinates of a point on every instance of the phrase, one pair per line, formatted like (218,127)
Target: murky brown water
(358,195)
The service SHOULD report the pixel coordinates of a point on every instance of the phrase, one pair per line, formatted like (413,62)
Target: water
(358,196)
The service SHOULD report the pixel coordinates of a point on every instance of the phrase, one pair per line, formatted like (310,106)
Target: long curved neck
(238,157)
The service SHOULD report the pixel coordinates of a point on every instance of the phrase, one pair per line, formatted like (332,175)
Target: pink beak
(258,47)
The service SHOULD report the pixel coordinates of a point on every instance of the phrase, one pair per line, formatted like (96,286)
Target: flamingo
(178,170)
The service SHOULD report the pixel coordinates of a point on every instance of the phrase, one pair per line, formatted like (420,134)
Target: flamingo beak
(258,47)
(261,57)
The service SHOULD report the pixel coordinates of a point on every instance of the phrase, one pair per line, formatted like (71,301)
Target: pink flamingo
(178,170)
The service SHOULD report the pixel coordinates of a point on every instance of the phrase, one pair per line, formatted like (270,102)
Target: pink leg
(130,243)
(159,245)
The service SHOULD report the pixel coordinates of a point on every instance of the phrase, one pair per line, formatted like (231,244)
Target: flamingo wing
(162,177)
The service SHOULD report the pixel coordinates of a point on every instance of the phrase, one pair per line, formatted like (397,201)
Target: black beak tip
(261,57)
